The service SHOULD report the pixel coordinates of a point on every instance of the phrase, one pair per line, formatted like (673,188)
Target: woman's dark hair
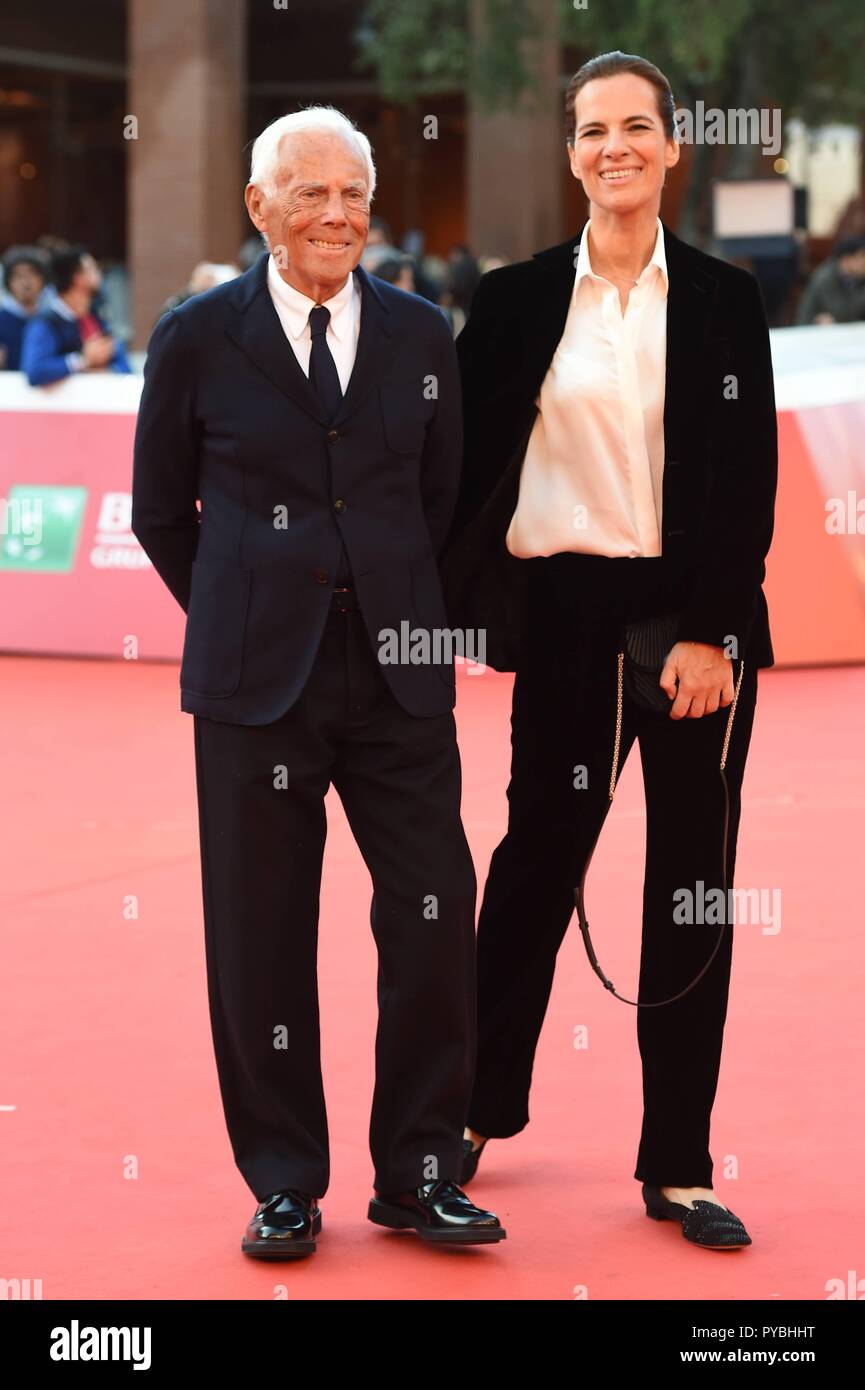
(609,65)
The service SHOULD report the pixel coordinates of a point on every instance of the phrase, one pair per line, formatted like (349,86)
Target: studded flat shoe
(471,1159)
(706,1223)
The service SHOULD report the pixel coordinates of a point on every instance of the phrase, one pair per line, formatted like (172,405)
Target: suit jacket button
(332,436)
(322,576)
(339,505)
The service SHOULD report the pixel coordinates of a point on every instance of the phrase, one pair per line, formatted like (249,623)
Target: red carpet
(107,1051)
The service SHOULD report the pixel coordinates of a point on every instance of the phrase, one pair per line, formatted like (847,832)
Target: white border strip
(813,366)
(91,393)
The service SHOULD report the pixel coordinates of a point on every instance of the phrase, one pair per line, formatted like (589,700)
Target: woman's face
(620,152)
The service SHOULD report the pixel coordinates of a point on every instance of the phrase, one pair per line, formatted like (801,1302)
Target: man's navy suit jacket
(228,416)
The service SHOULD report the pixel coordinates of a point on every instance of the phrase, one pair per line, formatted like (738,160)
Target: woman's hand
(705,679)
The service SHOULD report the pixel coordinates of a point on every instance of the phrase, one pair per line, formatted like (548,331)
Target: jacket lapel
(255,328)
(375,348)
(691,297)
(555,288)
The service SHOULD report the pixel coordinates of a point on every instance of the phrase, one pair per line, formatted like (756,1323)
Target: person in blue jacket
(24,274)
(67,335)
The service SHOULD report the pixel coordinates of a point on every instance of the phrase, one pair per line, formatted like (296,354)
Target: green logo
(40,526)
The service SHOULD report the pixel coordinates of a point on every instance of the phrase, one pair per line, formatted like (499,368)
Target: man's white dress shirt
(343,329)
(592,476)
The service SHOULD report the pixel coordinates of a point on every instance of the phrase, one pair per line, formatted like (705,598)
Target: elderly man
(316,415)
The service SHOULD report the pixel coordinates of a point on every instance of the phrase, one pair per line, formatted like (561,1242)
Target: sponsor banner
(73,578)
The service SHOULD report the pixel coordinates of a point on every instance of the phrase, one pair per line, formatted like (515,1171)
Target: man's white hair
(265,151)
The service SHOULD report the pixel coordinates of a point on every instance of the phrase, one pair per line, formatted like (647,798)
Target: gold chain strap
(618,741)
(618,738)
(730,719)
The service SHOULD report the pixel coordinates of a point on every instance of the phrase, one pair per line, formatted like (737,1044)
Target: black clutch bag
(647,644)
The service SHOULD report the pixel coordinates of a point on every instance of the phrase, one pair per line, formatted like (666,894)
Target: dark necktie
(324,380)
(323,375)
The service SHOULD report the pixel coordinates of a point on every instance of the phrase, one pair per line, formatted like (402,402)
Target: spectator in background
(205,276)
(851,223)
(250,252)
(397,270)
(836,291)
(462,277)
(67,335)
(402,271)
(486,263)
(425,284)
(25,271)
(52,246)
(379,246)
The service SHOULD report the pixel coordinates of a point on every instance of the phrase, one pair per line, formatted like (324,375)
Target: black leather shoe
(284,1226)
(471,1159)
(706,1223)
(439,1212)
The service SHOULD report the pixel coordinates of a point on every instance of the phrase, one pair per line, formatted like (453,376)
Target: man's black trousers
(261,792)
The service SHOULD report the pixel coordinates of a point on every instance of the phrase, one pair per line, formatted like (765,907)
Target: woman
(620,464)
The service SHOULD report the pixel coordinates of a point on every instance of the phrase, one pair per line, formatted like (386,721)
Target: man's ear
(253,197)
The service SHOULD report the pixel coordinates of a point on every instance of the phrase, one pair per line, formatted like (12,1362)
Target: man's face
(25,284)
(316,217)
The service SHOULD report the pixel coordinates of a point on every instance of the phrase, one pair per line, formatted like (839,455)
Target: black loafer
(706,1223)
(439,1212)
(284,1226)
(471,1159)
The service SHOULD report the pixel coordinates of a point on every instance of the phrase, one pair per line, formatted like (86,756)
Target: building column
(187,73)
(516,157)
